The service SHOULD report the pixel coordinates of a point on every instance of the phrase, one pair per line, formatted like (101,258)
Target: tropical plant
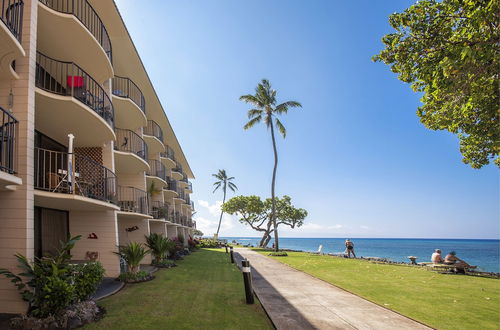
(152,191)
(158,245)
(266,109)
(223,182)
(448,50)
(132,253)
(50,284)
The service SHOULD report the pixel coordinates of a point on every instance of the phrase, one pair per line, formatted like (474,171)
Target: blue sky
(356,156)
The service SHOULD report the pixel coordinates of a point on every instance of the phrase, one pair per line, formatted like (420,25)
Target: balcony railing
(177,218)
(129,141)
(68,79)
(66,173)
(184,178)
(178,167)
(124,87)
(11,15)
(181,193)
(172,184)
(190,186)
(131,199)
(157,169)
(159,210)
(84,12)
(168,153)
(8,141)
(153,129)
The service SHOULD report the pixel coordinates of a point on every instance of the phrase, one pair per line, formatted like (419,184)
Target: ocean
(484,253)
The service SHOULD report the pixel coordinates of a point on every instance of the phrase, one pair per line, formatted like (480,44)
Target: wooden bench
(456,268)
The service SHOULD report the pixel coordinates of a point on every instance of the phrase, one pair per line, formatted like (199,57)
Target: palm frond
(252,99)
(217,187)
(252,122)
(269,120)
(283,107)
(232,186)
(281,128)
(254,113)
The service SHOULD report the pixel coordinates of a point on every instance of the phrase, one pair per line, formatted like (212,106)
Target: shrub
(138,276)
(86,279)
(51,284)
(132,253)
(165,264)
(278,254)
(208,243)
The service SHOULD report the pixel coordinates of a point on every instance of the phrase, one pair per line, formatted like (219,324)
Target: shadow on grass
(283,314)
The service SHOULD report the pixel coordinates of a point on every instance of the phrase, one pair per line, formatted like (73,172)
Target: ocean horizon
(484,253)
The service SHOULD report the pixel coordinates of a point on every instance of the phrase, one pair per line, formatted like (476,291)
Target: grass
(439,300)
(204,292)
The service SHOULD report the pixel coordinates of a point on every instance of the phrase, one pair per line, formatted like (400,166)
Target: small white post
(320,248)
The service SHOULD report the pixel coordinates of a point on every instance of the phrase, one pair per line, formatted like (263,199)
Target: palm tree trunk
(273,210)
(221,212)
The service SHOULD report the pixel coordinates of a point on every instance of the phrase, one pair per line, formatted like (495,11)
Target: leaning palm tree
(224,182)
(265,109)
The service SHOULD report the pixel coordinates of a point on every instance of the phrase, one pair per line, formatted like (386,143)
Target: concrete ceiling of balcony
(127,63)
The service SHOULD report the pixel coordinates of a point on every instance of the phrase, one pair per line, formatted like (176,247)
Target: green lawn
(204,292)
(438,300)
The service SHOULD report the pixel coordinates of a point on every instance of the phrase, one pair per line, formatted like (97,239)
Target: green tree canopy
(256,213)
(449,50)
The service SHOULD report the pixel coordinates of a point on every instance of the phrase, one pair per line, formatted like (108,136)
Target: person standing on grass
(349,245)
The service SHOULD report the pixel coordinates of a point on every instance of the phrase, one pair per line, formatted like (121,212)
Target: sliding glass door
(51,227)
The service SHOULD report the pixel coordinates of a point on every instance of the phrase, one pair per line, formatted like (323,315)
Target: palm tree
(265,109)
(224,182)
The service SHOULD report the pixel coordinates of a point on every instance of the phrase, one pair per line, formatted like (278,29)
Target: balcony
(72,29)
(68,100)
(153,135)
(129,103)
(189,188)
(72,182)
(160,210)
(170,191)
(180,198)
(8,151)
(177,171)
(157,173)
(11,20)
(130,152)
(168,157)
(133,200)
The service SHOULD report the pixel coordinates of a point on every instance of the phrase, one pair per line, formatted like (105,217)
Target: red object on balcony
(75,81)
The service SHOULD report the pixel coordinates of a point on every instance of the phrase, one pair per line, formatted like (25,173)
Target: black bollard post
(247,279)
(226,248)
(231,254)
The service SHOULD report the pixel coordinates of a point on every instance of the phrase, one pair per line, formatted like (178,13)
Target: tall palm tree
(265,109)
(224,182)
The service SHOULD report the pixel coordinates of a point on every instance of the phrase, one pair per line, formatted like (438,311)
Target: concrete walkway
(295,300)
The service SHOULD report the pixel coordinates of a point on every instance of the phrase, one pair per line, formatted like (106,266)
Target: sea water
(482,253)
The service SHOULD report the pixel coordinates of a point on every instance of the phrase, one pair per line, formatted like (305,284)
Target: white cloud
(209,225)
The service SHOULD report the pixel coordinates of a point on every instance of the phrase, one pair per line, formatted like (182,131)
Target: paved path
(295,300)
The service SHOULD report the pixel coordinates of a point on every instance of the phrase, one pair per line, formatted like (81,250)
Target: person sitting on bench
(452,259)
(436,257)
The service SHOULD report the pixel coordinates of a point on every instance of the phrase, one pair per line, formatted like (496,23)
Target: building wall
(104,225)
(16,207)
(126,237)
